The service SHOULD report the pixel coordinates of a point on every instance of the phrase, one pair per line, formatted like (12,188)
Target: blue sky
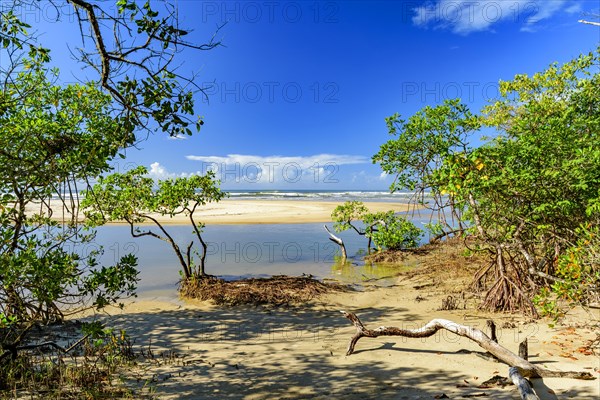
(299,92)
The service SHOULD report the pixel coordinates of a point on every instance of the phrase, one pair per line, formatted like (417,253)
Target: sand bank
(278,211)
(256,212)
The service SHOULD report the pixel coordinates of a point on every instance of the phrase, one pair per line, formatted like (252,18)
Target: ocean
(317,195)
(320,195)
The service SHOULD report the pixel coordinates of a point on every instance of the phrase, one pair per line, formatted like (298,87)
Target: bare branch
(589,22)
(337,240)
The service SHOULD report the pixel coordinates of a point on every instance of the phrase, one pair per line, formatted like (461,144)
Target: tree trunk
(167,238)
(476,218)
(492,325)
(524,350)
(198,231)
(339,242)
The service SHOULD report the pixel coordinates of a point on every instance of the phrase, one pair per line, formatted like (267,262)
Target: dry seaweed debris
(387,256)
(448,259)
(276,290)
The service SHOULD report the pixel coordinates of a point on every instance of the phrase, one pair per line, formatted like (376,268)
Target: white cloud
(157,171)
(370,179)
(248,172)
(287,170)
(179,136)
(464,17)
(306,161)
(546,10)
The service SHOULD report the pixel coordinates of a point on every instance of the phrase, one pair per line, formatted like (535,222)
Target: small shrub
(395,233)
(578,276)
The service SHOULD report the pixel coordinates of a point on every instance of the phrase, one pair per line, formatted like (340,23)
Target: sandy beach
(277,211)
(253,212)
(210,352)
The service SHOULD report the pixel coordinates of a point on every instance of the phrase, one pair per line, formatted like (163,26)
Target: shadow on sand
(259,353)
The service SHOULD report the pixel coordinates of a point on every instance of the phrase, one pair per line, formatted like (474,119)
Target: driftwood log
(520,367)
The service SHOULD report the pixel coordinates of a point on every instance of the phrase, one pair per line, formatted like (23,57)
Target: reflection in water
(383,274)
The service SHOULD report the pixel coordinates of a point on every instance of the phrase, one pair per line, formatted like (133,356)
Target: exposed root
(510,289)
(505,295)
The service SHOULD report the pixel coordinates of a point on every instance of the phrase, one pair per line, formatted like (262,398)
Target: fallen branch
(524,367)
(13,350)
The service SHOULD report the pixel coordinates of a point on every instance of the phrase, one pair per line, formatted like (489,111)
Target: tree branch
(589,22)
